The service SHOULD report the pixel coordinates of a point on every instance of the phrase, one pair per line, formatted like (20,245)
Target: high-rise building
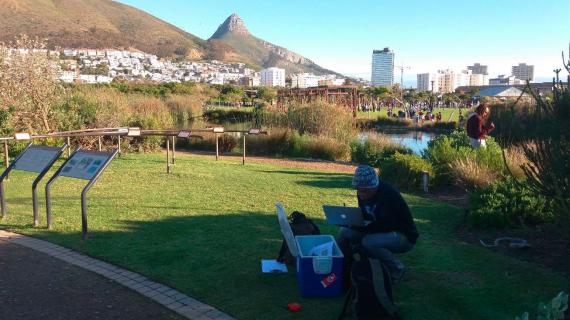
(523,72)
(428,82)
(383,67)
(273,77)
(477,68)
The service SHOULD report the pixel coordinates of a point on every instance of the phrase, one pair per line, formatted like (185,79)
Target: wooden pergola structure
(346,96)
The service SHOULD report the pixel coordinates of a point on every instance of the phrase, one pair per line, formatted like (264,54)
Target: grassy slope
(94,24)
(204,229)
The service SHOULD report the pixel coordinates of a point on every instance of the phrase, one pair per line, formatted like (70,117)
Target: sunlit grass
(204,228)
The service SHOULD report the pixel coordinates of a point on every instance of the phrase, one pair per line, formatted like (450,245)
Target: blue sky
(425,35)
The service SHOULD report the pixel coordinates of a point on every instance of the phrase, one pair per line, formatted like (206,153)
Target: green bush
(405,171)
(375,149)
(506,203)
(446,149)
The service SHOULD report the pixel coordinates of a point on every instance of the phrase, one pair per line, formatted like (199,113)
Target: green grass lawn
(447,114)
(205,228)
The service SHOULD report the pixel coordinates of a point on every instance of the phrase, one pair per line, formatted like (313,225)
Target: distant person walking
(477,129)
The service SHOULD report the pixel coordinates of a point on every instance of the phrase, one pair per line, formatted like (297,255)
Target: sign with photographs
(85,164)
(37,158)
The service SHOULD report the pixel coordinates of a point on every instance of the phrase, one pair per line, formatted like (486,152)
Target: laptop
(344,216)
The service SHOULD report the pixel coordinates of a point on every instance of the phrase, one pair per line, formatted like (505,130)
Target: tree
(29,84)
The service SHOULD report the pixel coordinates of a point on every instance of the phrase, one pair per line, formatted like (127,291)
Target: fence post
(100,146)
(68,148)
(216,147)
(243,159)
(173,149)
(425,181)
(119,145)
(167,155)
(6,155)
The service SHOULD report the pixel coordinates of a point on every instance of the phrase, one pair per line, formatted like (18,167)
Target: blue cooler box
(318,276)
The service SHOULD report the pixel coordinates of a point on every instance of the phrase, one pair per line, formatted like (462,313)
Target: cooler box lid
(286,230)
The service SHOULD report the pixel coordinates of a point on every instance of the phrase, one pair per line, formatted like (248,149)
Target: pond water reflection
(417,141)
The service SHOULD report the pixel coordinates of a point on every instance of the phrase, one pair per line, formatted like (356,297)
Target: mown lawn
(205,228)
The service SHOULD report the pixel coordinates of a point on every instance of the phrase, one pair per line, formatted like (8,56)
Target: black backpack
(301,226)
(371,291)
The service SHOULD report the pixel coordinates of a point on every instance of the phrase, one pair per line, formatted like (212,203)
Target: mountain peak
(233,24)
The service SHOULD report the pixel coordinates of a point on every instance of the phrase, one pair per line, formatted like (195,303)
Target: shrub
(506,203)
(374,149)
(405,170)
(321,119)
(207,142)
(276,142)
(220,116)
(326,148)
(444,151)
(469,174)
(393,121)
(226,142)
(184,108)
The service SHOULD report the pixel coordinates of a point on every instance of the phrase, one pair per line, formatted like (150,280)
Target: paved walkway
(41,280)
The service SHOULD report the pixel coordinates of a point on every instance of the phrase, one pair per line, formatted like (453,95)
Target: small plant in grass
(405,170)
(507,203)
(552,311)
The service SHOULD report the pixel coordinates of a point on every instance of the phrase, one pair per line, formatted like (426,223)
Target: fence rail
(169,134)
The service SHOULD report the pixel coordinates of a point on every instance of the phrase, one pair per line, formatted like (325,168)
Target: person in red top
(477,130)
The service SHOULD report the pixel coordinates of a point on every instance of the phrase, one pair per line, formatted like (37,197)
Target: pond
(417,141)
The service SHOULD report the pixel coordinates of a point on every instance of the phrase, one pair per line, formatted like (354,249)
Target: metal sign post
(86,165)
(34,159)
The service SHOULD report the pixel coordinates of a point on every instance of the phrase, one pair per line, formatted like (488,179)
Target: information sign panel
(85,164)
(37,158)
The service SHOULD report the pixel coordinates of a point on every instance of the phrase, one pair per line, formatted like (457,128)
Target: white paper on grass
(272,266)
(323,250)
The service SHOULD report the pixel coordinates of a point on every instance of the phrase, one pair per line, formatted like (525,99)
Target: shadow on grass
(214,258)
(319,179)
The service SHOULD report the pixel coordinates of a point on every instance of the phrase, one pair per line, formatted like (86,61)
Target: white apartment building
(428,82)
(523,72)
(382,67)
(305,80)
(273,77)
(479,80)
(446,80)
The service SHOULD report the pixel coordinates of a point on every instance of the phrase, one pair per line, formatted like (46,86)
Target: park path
(41,280)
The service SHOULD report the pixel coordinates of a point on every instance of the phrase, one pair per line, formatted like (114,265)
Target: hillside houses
(102,66)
